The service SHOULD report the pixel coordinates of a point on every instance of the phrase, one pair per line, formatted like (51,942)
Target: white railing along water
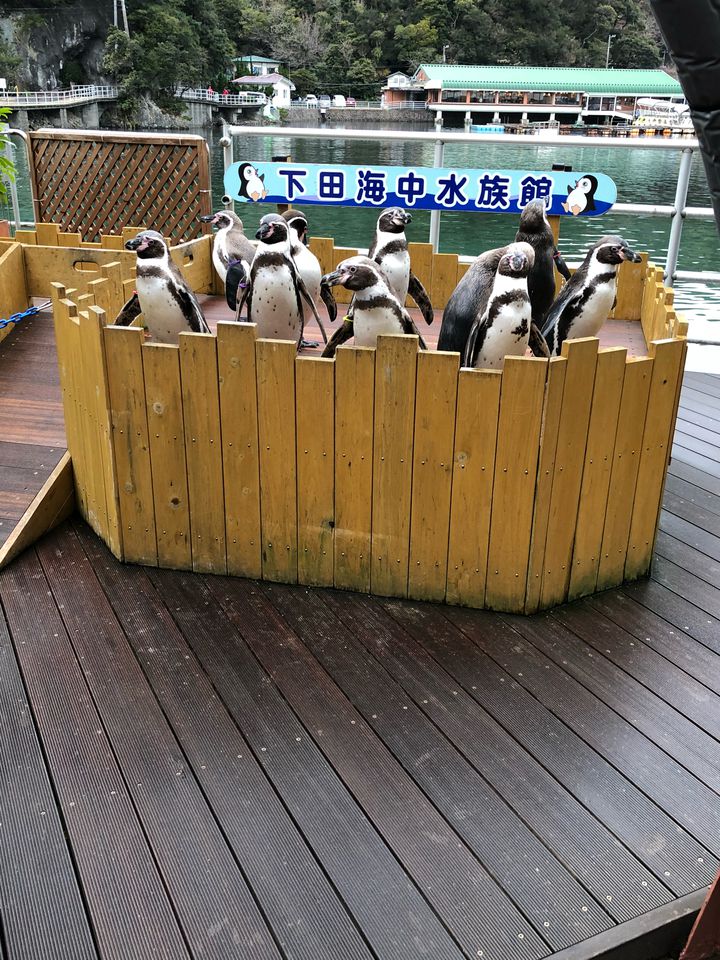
(56,98)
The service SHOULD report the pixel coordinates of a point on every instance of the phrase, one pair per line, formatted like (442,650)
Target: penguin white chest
(368,325)
(220,255)
(395,265)
(595,311)
(308,267)
(274,304)
(163,315)
(508,335)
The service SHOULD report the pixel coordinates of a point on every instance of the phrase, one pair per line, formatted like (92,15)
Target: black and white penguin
(168,304)
(503,328)
(252,185)
(376,308)
(535,229)
(468,301)
(308,265)
(583,304)
(581,196)
(390,249)
(230,244)
(276,291)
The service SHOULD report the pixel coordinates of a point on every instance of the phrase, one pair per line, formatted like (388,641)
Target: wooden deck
(209,767)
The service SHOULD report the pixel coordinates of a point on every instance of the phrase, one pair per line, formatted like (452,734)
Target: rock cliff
(55,46)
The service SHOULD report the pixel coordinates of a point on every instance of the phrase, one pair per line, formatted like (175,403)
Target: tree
(416,43)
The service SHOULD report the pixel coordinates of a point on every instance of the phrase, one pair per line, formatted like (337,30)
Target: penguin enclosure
(389,471)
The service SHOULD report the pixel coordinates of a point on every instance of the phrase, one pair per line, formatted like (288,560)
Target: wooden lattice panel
(97,183)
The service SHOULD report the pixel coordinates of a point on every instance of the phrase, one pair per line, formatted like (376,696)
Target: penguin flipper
(246,295)
(129,311)
(190,306)
(537,342)
(343,333)
(409,327)
(560,265)
(326,295)
(235,279)
(306,296)
(419,294)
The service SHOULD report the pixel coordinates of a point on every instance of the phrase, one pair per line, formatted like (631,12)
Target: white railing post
(438,157)
(678,215)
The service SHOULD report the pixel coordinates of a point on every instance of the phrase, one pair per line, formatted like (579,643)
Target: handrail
(246,98)
(78,94)
(677,212)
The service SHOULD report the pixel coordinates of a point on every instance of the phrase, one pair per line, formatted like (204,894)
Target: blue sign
(421,188)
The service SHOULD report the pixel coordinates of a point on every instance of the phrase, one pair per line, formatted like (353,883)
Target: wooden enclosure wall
(95,182)
(14,297)
(388,471)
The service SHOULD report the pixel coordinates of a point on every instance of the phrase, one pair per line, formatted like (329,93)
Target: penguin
(583,304)
(168,304)
(275,292)
(232,253)
(503,328)
(581,196)
(376,308)
(308,266)
(468,301)
(390,249)
(535,229)
(251,186)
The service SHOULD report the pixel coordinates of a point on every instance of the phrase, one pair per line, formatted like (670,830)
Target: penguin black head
(355,273)
(517,260)
(533,219)
(148,245)
(272,229)
(394,220)
(223,218)
(298,220)
(613,250)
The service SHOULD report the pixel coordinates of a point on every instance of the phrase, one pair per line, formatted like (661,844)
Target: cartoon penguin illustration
(376,308)
(167,302)
(251,183)
(583,304)
(581,196)
(503,328)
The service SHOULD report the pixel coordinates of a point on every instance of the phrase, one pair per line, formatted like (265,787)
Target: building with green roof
(508,94)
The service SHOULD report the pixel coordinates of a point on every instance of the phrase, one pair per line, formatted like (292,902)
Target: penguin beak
(333,279)
(403,218)
(265,230)
(137,243)
(627,254)
(208,218)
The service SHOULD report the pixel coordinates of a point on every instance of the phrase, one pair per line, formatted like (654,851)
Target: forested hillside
(347,45)
(350,45)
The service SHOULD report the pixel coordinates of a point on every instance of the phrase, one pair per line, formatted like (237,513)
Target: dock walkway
(210,767)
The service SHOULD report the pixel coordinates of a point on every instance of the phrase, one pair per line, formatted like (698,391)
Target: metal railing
(25,99)
(677,212)
(247,99)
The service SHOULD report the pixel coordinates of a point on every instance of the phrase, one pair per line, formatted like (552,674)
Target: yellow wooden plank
(663,310)
(111,242)
(123,358)
(195,261)
(567,473)
(101,294)
(630,289)
(421,264)
(84,478)
(74,268)
(476,421)
(63,312)
(113,273)
(623,477)
(444,278)
(668,356)
(163,400)
(314,386)
(275,361)
(341,294)
(92,475)
(28,237)
(516,459)
(92,345)
(129,233)
(323,248)
(395,364)
(649,296)
(46,234)
(552,407)
(203,451)
(239,418)
(435,402)
(14,295)
(69,239)
(602,431)
(354,418)
(52,504)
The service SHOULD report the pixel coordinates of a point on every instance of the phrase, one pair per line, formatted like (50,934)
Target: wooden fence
(95,182)
(388,471)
